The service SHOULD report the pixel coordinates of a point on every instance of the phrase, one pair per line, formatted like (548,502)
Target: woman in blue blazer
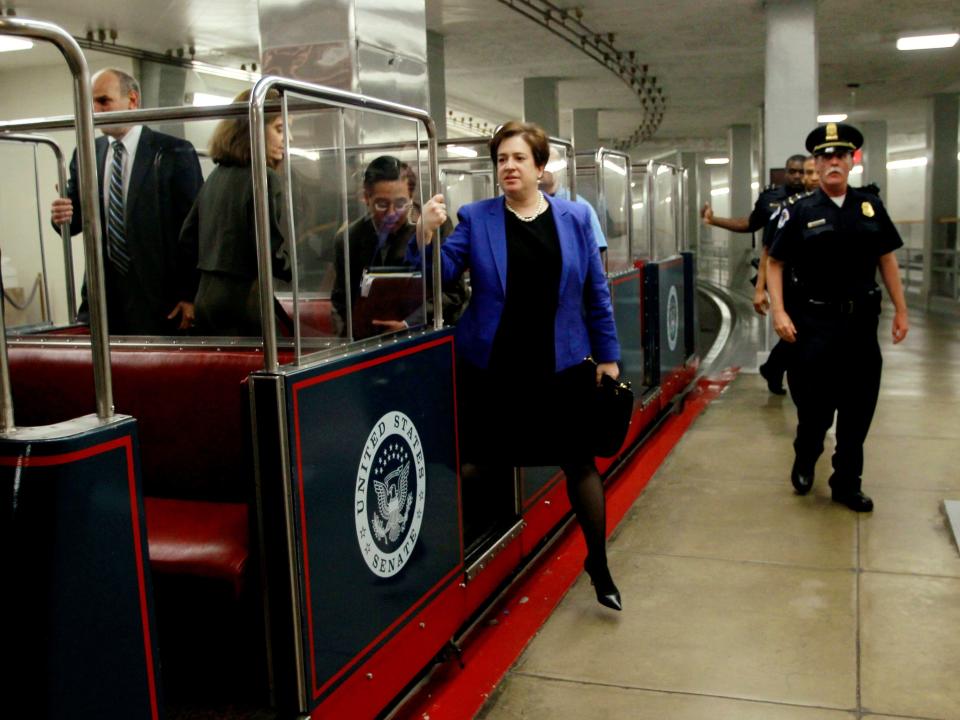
(540,307)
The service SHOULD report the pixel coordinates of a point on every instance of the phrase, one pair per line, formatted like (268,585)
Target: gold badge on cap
(867,209)
(832,132)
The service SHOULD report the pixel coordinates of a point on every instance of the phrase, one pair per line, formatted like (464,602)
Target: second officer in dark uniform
(834,240)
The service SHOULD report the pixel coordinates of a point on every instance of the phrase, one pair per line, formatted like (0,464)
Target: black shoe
(774,382)
(607,593)
(856,501)
(802,480)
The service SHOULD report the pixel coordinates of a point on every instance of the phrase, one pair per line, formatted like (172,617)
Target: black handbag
(610,413)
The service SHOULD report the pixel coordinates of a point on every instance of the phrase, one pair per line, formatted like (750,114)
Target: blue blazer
(584,324)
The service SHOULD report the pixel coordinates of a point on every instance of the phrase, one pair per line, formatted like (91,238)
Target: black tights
(585,490)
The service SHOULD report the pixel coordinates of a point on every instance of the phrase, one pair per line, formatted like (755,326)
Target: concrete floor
(744,601)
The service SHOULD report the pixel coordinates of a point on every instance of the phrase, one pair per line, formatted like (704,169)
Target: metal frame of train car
(364,579)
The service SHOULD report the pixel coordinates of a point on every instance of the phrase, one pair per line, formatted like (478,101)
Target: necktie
(116,225)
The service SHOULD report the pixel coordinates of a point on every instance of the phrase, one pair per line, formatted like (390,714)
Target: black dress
(520,410)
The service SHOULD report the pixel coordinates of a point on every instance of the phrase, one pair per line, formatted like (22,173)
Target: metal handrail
(86,153)
(64,227)
(336,98)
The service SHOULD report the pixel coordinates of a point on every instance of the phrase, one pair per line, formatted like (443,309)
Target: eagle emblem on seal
(393,504)
(390,494)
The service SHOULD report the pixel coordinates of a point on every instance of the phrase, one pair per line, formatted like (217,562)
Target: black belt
(845,307)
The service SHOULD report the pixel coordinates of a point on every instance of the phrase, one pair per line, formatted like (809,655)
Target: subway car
(196,523)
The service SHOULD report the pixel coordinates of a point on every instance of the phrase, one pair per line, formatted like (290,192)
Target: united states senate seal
(390,494)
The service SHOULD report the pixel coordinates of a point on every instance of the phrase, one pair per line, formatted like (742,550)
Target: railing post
(89,203)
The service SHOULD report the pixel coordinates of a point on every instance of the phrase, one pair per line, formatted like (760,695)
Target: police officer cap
(834,138)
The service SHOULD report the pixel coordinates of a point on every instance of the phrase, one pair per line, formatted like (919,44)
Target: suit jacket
(220,233)
(584,322)
(164,181)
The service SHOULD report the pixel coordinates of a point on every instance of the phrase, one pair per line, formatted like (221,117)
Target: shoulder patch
(784,216)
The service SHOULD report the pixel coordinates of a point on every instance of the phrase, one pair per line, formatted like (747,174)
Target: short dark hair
(387,168)
(532,133)
(230,142)
(795,158)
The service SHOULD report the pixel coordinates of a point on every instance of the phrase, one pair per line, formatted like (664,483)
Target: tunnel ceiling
(708,56)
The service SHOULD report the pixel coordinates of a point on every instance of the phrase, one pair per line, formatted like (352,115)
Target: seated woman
(221,225)
(380,239)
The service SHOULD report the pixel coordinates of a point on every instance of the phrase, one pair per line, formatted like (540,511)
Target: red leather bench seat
(193,537)
(192,411)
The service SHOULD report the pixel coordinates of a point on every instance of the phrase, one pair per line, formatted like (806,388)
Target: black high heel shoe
(607,593)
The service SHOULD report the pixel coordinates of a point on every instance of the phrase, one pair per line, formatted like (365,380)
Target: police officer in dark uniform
(767,204)
(833,241)
(778,359)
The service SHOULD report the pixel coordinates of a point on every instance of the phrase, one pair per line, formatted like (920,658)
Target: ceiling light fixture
(928,42)
(202,99)
(907,163)
(10,44)
(461,151)
(717,161)
(838,117)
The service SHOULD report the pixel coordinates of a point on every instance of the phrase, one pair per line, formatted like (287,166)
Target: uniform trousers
(835,370)
(779,359)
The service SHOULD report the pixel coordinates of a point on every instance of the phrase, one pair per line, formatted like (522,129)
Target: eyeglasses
(398,204)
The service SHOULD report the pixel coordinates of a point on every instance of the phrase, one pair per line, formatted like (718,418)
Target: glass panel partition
(34,279)
(665,183)
(641,239)
(603,179)
(352,209)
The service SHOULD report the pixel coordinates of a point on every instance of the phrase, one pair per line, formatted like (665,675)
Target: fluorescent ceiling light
(906,163)
(638,206)
(201,99)
(313,155)
(556,165)
(720,191)
(461,151)
(717,161)
(10,44)
(839,117)
(610,165)
(928,42)
(663,169)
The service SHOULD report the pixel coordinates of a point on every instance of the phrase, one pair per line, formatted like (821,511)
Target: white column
(437,83)
(586,135)
(541,103)
(874,153)
(943,119)
(740,139)
(791,88)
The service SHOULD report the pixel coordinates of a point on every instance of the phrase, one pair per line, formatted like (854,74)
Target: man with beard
(834,240)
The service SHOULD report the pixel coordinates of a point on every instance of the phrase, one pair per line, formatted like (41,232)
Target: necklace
(541,207)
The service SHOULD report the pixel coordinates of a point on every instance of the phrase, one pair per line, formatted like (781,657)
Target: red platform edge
(489,652)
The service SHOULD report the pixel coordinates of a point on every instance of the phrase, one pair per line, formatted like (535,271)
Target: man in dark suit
(148,182)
